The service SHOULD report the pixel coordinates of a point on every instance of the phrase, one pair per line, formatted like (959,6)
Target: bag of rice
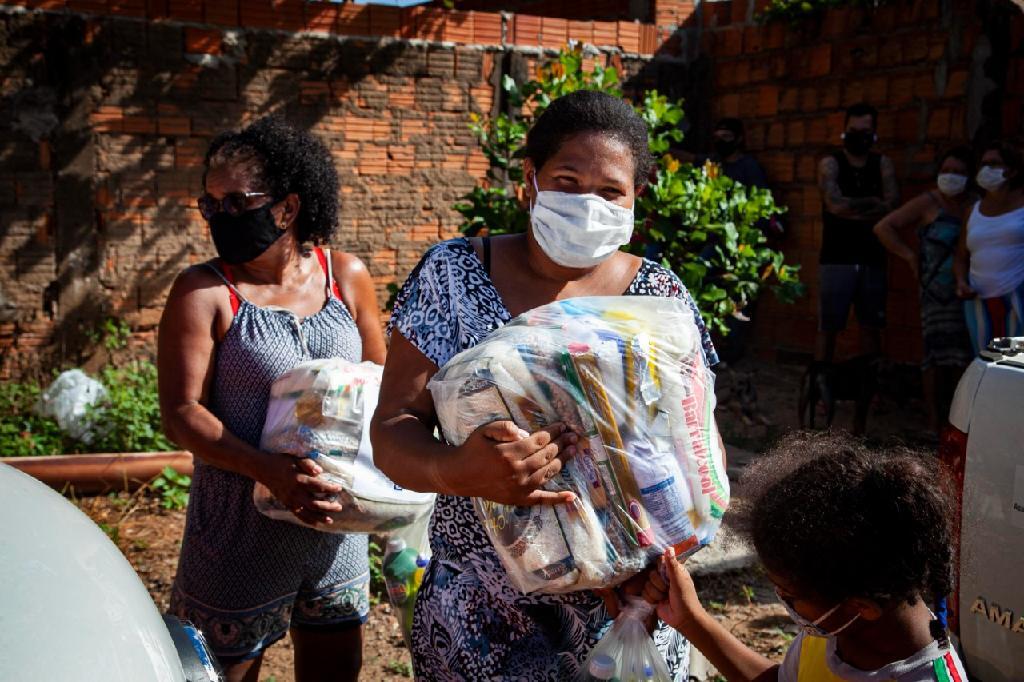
(628,376)
(322,409)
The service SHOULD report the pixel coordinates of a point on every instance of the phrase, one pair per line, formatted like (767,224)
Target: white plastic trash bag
(68,400)
(626,652)
(628,376)
(322,409)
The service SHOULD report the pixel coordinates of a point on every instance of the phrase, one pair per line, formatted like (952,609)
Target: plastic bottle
(659,477)
(400,572)
(602,668)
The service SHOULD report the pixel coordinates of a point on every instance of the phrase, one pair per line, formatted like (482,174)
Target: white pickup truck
(984,445)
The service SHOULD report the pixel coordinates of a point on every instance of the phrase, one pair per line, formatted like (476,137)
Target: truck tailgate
(992,548)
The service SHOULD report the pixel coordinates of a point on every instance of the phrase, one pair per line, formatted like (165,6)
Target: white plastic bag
(68,399)
(628,376)
(322,409)
(626,653)
(404,565)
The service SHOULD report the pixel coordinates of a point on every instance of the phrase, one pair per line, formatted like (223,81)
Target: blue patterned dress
(470,623)
(243,578)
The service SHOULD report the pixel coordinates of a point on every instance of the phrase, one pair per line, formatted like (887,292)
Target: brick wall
(107,106)
(917,63)
(106,110)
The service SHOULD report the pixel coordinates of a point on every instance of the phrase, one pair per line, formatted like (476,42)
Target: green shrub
(22,432)
(795,10)
(127,420)
(704,224)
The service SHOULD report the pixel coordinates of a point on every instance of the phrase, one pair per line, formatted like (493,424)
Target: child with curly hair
(857,543)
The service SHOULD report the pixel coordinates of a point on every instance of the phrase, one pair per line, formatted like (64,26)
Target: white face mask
(951,184)
(991,178)
(579,230)
(813,627)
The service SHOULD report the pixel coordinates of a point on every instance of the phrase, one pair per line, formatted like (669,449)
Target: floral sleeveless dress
(470,623)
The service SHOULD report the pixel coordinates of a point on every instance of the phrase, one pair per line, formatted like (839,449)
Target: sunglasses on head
(233,203)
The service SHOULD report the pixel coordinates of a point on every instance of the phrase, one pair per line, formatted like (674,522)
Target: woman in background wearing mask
(989,262)
(586,159)
(937,215)
(231,326)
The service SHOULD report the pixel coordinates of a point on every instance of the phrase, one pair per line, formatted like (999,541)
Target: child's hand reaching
(676,598)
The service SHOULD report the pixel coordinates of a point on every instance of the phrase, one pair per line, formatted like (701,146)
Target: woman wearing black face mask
(232,325)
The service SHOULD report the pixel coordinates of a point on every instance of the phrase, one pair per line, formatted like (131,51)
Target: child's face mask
(813,627)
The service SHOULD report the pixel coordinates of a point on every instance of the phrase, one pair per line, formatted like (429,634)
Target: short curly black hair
(285,160)
(587,111)
(839,520)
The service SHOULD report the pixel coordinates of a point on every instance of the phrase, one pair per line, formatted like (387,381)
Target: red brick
(385,21)
(908,124)
(222,13)
(853,92)
(836,122)
(628,36)
(582,31)
(605,33)
(321,17)
(88,6)
(789,99)
(808,99)
(776,37)
(795,134)
(754,39)
(739,11)
(767,100)
(353,20)
(806,168)
(924,85)
(836,22)
(819,60)
(486,28)
(778,166)
(554,32)
(648,39)
(716,13)
(890,52)
(185,10)
(458,27)
(956,86)
(741,72)
(915,47)
(128,8)
(901,90)
(430,24)
(202,41)
(776,136)
(173,125)
(817,131)
(729,42)
(729,105)
(139,124)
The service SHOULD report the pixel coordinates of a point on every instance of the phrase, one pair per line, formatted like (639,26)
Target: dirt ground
(150,536)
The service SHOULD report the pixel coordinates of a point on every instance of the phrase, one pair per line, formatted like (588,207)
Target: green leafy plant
(706,226)
(748,593)
(172,487)
(23,433)
(377,585)
(129,418)
(399,668)
(795,10)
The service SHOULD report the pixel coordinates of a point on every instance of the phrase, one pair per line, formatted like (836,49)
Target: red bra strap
(232,294)
(328,272)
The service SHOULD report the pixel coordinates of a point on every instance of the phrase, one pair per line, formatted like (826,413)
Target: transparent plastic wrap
(322,409)
(626,653)
(628,376)
(404,565)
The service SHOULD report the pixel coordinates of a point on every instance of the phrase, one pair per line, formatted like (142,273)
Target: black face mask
(241,238)
(858,142)
(725,148)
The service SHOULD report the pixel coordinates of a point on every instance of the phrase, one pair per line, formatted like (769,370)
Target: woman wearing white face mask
(587,158)
(937,215)
(989,262)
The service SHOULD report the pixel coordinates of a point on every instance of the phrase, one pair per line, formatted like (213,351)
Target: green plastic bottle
(403,574)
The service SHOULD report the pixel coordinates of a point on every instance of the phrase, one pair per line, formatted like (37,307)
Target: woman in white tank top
(989,264)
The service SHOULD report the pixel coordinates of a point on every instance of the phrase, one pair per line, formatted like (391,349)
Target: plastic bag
(626,653)
(322,409)
(628,376)
(404,565)
(67,401)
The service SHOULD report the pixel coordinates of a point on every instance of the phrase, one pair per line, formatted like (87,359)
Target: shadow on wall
(103,126)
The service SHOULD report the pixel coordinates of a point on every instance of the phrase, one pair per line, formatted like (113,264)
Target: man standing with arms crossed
(858,187)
